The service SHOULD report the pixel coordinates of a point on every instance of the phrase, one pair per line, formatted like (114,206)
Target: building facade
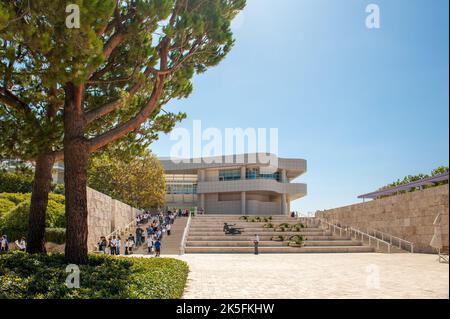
(250,184)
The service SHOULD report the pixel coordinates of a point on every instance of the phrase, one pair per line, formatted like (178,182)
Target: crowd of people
(156,224)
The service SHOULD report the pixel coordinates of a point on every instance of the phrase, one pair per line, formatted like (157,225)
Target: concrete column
(284,204)
(243,172)
(202,201)
(201,175)
(243,208)
(284,178)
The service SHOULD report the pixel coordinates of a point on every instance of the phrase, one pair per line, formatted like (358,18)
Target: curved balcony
(249,185)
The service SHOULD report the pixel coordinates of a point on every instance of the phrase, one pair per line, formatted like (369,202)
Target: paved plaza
(367,275)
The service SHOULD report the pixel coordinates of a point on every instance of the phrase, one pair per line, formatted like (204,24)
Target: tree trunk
(75,177)
(39,200)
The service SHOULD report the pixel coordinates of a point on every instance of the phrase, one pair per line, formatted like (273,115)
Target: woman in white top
(22,245)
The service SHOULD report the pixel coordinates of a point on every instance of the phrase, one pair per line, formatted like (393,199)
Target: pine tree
(68,92)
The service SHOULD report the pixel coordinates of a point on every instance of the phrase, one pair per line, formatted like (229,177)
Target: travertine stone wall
(105,215)
(409,216)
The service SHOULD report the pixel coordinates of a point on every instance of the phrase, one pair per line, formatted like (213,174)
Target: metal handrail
(185,234)
(389,237)
(357,231)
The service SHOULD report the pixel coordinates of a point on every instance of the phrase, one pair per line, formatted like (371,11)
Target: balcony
(294,189)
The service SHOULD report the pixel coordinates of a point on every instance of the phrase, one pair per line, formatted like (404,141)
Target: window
(230,175)
(254,173)
(181,189)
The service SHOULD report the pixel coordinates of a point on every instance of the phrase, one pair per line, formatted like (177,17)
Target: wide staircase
(206,235)
(170,245)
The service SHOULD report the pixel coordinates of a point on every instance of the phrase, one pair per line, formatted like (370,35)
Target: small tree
(138,181)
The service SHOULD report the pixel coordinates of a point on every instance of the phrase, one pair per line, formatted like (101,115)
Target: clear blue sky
(363,107)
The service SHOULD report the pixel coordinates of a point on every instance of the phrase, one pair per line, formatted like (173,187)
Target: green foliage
(296,241)
(412,178)
(137,181)
(16,198)
(12,182)
(14,222)
(6,205)
(55,235)
(104,277)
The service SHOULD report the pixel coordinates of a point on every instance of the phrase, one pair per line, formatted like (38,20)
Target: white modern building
(250,184)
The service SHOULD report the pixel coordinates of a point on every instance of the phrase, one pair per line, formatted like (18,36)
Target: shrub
(296,241)
(6,205)
(16,198)
(14,223)
(58,189)
(15,182)
(55,235)
(44,275)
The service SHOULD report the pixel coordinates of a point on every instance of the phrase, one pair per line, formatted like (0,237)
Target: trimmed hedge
(55,235)
(15,182)
(15,210)
(43,276)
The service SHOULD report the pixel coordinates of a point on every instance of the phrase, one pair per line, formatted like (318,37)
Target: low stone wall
(409,216)
(105,214)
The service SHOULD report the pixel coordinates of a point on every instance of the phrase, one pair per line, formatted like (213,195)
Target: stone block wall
(105,214)
(409,216)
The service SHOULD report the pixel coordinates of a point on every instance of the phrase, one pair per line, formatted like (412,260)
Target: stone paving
(366,275)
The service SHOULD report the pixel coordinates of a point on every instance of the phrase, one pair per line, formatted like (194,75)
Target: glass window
(181,189)
(254,173)
(230,175)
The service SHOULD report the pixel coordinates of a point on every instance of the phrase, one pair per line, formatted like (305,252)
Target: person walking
(157,248)
(168,228)
(112,245)
(256,243)
(149,244)
(139,232)
(101,245)
(118,243)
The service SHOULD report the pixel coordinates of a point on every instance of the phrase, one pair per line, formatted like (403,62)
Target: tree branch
(6,97)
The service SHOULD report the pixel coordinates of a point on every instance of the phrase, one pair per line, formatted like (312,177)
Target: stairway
(206,236)
(170,245)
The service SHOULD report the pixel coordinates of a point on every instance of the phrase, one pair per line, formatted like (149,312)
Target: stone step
(250,232)
(270,243)
(247,238)
(281,249)
(257,230)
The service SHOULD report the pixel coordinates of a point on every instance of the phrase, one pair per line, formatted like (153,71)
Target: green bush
(16,198)
(55,235)
(14,223)
(43,276)
(6,205)
(15,182)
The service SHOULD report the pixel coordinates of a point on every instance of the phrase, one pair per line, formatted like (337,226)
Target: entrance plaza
(298,276)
